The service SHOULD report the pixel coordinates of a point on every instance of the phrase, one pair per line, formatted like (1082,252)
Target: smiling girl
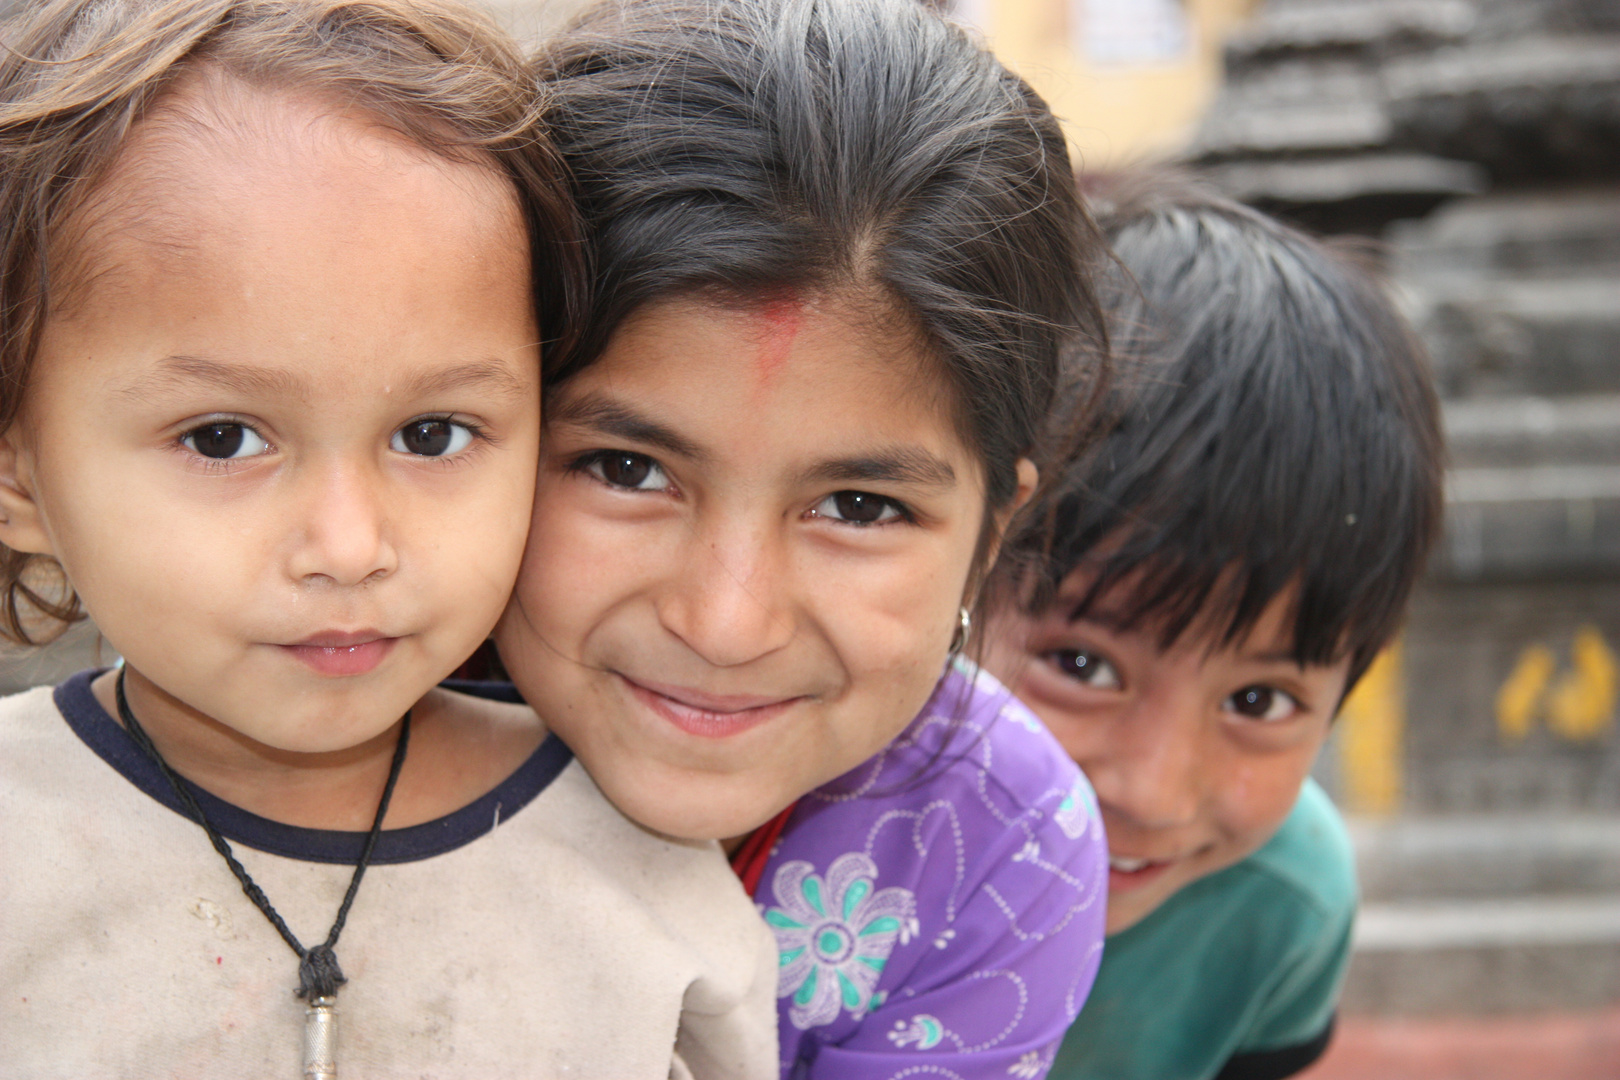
(837,256)
(269,414)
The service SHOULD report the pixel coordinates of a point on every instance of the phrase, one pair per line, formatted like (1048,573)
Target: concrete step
(1486,913)
(1289,31)
(1405,862)
(1514,955)
(1517,432)
(1566,232)
(1521,335)
(1528,108)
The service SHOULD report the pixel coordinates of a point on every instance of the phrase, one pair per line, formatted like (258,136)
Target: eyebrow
(174,372)
(492,374)
(177,371)
(621,421)
(899,465)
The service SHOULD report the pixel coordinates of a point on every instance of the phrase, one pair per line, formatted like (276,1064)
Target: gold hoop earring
(964,626)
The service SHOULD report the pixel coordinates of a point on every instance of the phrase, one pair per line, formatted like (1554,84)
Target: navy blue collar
(113,745)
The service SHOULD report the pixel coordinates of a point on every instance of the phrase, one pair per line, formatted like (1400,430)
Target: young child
(1212,579)
(270,412)
(837,254)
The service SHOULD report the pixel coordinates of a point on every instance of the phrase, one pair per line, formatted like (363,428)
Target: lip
(710,716)
(1126,873)
(341,653)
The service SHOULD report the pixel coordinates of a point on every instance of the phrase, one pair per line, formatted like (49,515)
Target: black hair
(1278,431)
(743,148)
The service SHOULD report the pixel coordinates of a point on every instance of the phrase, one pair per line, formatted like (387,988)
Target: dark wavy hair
(740,148)
(1277,430)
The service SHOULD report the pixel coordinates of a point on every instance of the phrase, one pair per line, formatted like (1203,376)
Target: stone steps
(1486,913)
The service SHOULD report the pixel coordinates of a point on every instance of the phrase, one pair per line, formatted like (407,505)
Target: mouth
(1126,873)
(342,653)
(710,716)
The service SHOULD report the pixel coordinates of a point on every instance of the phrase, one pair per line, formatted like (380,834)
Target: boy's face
(1197,752)
(751,538)
(283,438)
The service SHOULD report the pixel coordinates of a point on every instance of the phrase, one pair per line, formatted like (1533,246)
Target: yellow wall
(1114,113)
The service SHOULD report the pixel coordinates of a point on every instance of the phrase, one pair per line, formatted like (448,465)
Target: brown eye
(1090,668)
(624,469)
(860,508)
(223,441)
(432,436)
(1262,703)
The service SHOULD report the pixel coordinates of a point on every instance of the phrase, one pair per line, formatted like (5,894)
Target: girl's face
(753,531)
(284,437)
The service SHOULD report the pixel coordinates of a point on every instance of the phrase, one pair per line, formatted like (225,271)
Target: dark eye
(1090,668)
(224,440)
(433,436)
(1262,703)
(624,469)
(859,508)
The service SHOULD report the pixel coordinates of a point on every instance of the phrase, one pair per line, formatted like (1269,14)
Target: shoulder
(687,885)
(974,790)
(29,713)
(40,734)
(1290,895)
(1247,959)
(979,747)
(1311,858)
(968,864)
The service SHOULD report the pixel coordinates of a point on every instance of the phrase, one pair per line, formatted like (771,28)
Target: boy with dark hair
(1198,591)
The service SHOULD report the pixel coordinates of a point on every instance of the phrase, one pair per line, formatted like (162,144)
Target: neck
(331,790)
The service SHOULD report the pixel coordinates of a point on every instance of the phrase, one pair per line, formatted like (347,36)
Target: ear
(1028,477)
(22,526)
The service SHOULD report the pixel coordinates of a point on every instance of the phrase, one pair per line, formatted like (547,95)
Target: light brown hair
(76,76)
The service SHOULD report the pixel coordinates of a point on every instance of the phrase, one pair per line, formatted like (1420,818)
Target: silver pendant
(320,1039)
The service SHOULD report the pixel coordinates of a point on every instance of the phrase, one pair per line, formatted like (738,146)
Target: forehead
(782,346)
(218,164)
(1122,608)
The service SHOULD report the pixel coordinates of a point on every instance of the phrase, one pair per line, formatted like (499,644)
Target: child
(271,413)
(837,254)
(1217,574)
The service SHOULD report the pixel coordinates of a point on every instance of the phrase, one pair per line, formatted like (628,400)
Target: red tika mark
(782,315)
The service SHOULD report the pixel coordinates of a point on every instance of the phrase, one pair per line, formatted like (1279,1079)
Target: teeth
(1128,866)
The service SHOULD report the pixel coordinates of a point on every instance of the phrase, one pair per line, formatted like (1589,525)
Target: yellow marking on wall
(1580,706)
(1372,730)
(1518,701)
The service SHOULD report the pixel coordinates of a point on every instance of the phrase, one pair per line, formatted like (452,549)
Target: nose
(342,534)
(1153,774)
(728,601)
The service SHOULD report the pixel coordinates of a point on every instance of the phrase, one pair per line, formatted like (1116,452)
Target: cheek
(572,564)
(125,545)
(888,616)
(1258,794)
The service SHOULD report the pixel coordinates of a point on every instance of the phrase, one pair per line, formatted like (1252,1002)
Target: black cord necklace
(318,973)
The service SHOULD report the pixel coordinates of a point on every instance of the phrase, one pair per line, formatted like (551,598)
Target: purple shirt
(939,909)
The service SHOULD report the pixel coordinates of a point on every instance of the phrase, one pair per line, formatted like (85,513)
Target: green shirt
(1240,967)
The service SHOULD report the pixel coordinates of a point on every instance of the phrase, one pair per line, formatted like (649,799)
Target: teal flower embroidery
(834,936)
(1079,806)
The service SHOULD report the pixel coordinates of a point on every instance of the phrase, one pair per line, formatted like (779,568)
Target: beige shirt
(537,933)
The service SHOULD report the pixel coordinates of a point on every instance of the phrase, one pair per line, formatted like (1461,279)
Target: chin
(688,812)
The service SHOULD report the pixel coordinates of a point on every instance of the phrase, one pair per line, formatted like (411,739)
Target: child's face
(283,441)
(752,534)
(1197,752)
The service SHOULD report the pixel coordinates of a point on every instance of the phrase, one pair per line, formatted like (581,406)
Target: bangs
(1273,432)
